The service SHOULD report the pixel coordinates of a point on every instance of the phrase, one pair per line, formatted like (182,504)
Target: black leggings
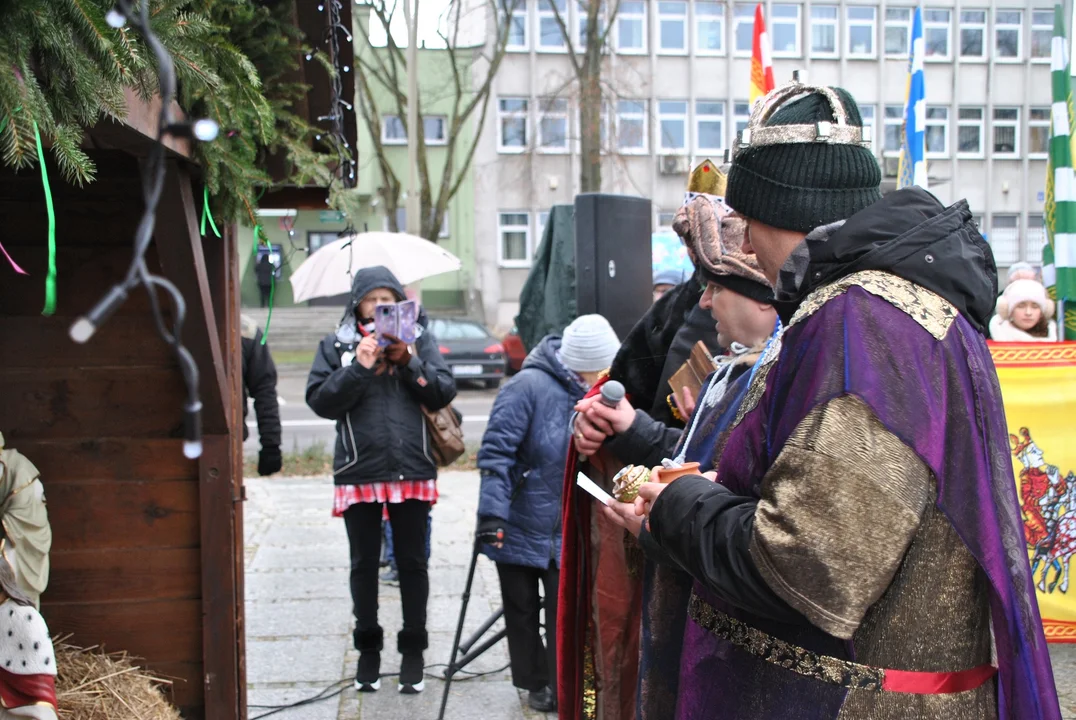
(363,522)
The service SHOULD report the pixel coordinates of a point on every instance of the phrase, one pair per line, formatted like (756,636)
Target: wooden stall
(147,551)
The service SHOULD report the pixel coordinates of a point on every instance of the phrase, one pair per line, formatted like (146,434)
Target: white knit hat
(589,344)
(1024,290)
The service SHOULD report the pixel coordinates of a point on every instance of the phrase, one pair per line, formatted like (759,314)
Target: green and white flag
(1060,207)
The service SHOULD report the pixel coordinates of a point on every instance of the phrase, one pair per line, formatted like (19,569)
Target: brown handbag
(446,434)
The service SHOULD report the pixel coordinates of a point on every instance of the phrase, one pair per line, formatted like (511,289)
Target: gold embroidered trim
(931,311)
(824,668)
(590,686)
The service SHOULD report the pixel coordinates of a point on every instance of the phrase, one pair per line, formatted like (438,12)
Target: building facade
(676,81)
(301,231)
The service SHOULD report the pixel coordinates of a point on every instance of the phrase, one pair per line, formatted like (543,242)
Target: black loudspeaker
(613,258)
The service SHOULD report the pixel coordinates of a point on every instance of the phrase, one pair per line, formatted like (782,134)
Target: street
(302,429)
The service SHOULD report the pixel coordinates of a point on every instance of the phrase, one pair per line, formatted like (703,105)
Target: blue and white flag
(913,162)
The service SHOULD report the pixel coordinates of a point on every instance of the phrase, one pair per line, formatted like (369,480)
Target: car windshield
(457,330)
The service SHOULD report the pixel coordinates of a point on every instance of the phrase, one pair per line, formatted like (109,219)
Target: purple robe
(940,396)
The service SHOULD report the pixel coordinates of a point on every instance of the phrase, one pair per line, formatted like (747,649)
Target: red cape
(599,606)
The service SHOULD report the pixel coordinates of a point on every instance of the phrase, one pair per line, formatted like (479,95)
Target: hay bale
(94,685)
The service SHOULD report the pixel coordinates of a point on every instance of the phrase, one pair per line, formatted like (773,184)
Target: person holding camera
(521,462)
(383,455)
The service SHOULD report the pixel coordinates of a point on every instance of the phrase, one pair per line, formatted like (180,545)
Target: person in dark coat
(522,466)
(263,272)
(382,456)
(259,382)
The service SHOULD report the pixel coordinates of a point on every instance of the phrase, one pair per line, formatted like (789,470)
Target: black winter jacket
(259,382)
(380,428)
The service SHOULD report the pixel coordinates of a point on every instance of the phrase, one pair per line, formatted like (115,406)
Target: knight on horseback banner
(1038,384)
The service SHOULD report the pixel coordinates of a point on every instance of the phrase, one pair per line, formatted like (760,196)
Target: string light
(152,188)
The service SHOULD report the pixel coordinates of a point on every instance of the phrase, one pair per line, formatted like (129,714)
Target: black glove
(490,530)
(269,460)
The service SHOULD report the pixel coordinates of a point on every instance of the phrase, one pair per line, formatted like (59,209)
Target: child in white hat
(1023,314)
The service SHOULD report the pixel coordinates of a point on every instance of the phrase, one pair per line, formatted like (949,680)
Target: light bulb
(192,449)
(309,56)
(115,19)
(347,69)
(82,330)
(206,130)
(321,8)
(317,137)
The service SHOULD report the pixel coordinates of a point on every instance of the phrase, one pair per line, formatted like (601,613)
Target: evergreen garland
(69,69)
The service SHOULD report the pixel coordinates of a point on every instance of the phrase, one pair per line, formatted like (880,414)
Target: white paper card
(592,487)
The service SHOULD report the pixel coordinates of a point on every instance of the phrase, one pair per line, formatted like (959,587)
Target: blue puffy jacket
(522,458)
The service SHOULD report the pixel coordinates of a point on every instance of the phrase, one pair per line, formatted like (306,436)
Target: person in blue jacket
(521,462)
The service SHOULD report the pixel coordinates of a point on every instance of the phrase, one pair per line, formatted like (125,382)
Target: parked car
(514,351)
(470,350)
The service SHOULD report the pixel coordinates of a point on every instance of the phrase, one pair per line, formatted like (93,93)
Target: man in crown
(861,553)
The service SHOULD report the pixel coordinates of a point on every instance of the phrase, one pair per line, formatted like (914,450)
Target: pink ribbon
(14,264)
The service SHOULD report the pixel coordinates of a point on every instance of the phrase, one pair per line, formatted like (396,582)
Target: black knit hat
(820,173)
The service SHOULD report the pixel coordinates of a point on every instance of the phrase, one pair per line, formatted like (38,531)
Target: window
(866,113)
(512,122)
(1006,131)
(785,30)
(315,240)
(743,27)
(549,35)
(860,26)
(741,112)
(936,31)
(515,233)
(435,129)
(1004,239)
(709,27)
(581,12)
(517,26)
(392,130)
(937,132)
(631,126)
(672,126)
(898,31)
(1036,239)
(969,132)
(665,220)
(1008,27)
(1042,34)
(543,220)
(709,126)
(553,124)
(823,31)
(973,34)
(631,27)
(1038,132)
(672,27)
(894,129)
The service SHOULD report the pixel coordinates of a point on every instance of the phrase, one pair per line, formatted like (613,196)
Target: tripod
(470,652)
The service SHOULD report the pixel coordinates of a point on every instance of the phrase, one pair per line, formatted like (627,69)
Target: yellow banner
(1038,385)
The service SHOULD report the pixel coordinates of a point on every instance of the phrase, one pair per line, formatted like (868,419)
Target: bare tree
(381,72)
(586,63)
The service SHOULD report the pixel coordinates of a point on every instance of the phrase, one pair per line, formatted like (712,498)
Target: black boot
(369,644)
(544,700)
(411,643)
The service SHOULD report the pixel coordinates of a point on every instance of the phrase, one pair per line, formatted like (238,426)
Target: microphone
(612,393)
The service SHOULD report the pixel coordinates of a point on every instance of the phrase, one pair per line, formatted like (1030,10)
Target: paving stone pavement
(298,612)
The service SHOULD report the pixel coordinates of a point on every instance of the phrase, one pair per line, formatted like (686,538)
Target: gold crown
(706,178)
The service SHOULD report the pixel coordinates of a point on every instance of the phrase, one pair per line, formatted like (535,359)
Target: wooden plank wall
(102,422)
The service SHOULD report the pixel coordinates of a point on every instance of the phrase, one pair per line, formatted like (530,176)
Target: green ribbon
(50,279)
(206,214)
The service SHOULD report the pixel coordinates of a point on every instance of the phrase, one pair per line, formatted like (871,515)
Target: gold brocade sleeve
(839,509)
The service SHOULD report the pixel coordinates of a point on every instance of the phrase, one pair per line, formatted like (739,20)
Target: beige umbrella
(329,270)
